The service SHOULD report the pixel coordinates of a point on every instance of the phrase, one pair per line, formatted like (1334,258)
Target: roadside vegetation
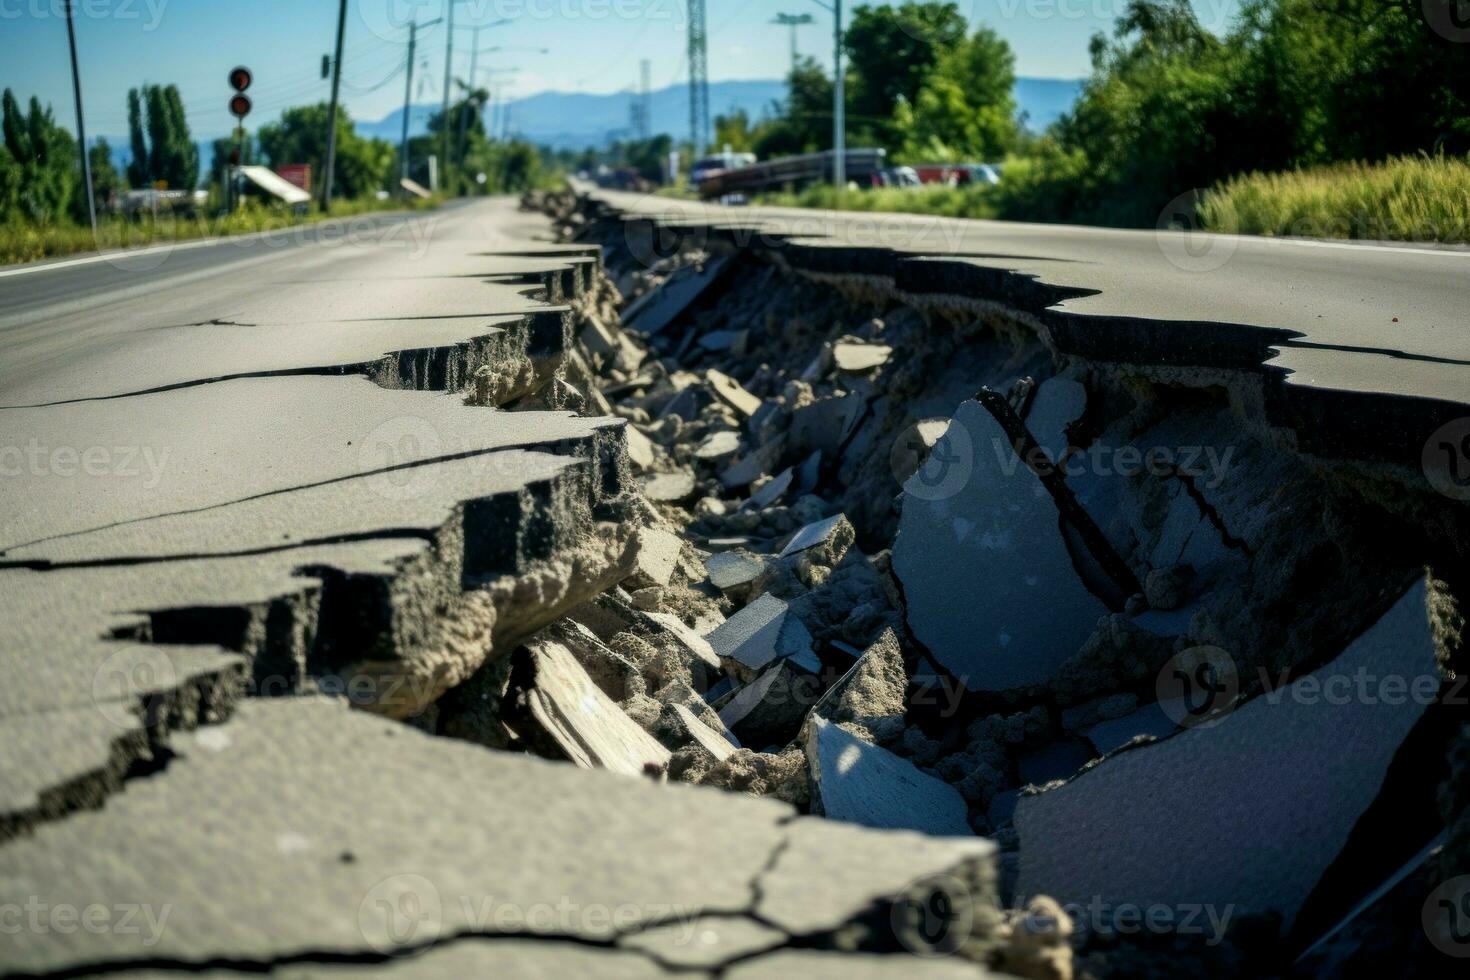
(1345,118)
(1411,198)
(43,202)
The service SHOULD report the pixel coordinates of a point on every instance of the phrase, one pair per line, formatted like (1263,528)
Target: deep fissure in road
(1166,671)
(814,435)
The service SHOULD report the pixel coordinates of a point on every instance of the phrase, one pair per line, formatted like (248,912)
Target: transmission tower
(698,79)
(643,103)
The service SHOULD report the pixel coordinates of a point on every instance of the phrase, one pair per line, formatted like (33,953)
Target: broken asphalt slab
(1276,787)
(331,807)
(993,590)
(857,782)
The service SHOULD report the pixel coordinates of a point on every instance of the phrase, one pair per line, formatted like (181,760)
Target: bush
(1417,198)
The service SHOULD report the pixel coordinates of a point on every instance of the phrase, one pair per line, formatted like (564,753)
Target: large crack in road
(1009,668)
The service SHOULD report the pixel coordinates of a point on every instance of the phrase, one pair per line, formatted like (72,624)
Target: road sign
(239,105)
(240,78)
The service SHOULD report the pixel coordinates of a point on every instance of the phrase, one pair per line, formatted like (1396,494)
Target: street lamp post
(839,97)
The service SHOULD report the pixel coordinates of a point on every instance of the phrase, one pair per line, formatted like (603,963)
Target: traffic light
(240,79)
(326,65)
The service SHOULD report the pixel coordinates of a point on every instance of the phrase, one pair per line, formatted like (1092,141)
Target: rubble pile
(913,569)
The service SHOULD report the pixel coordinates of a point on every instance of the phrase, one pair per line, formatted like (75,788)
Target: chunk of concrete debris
(856,357)
(640,448)
(770,709)
(809,473)
(718,446)
(572,713)
(719,340)
(654,311)
(753,465)
(731,570)
(871,693)
(771,491)
(721,745)
(615,673)
(658,556)
(825,424)
(731,392)
(762,632)
(697,645)
(669,488)
(1297,765)
(991,585)
(834,533)
(860,783)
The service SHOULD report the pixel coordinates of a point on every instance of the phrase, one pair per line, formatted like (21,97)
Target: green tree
(734,131)
(362,166)
(43,170)
(892,51)
(158,135)
(803,123)
(107,183)
(965,109)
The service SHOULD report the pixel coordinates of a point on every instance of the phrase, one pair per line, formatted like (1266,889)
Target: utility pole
(793,21)
(444,111)
(76,85)
(332,113)
(839,103)
(413,30)
(698,78)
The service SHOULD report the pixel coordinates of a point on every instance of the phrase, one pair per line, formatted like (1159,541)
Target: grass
(1418,198)
(1421,198)
(21,242)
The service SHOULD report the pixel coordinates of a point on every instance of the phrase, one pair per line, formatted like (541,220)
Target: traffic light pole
(332,112)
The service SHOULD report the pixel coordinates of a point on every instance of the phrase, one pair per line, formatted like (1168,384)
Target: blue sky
(591,45)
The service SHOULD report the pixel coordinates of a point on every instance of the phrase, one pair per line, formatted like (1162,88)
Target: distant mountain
(574,120)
